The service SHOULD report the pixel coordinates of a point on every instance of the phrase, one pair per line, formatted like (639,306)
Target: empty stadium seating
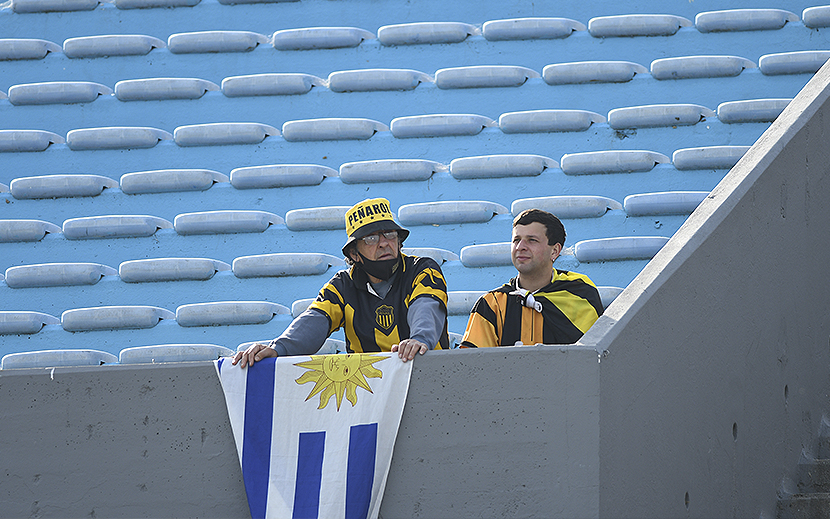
(175,172)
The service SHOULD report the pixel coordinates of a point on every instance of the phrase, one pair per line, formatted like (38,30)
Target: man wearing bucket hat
(386,301)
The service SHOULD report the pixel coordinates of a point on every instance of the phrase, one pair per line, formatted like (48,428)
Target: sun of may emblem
(334,375)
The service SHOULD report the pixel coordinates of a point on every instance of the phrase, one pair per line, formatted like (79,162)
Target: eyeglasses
(373,239)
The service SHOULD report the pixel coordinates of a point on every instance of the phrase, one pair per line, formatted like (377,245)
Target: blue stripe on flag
(360,475)
(309,475)
(256,450)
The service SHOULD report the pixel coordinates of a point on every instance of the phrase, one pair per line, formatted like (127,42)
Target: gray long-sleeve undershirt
(307,333)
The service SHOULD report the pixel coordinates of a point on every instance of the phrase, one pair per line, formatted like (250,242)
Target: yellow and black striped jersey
(372,323)
(570,304)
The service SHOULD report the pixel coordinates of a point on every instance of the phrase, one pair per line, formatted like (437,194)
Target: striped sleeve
(576,296)
(330,302)
(482,326)
(429,282)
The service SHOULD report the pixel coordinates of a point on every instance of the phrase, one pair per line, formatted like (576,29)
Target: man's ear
(557,249)
(354,255)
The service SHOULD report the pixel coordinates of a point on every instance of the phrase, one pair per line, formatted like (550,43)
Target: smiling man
(541,304)
(386,301)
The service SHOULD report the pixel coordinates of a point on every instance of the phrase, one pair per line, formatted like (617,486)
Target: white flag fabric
(315,434)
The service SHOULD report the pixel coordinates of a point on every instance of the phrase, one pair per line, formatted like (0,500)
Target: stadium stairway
(213,137)
(810,496)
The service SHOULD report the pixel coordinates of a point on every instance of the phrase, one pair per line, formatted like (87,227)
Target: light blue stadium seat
(285,264)
(447,212)
(222,313)
(425,33)
(214,41)
(24,322)
(568,206)
(708,157)
(280,175)
(591,72)
(619,248)
(146,4)
(170,180)
(691,67)
(113,226)
(317,218)
(651,116)
(222,222)
(113,318)
(439,125)
(269,84)
(4,188)
(608,294)
(26,48)
(461,302)
(331,129)
(483,76)
(486,255)
(636,25)
(666,202)
(297,307)
(611,161)
(530,28)
(320,38)
(115,137)
(389,170)
(172,353)
(743,20)
(799,62)
(57,92)
(751,110)
(47,6)
(376,79)
(498,166)
(111,45)
(57,274)
(222,134)
(157,89)
(534,121)
(56,359)
(3,95)
(60,186)
(440,256)
(170,269)
(27,140)
(815,17)
(25,230)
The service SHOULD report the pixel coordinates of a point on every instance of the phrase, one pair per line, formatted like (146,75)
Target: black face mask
(382,269)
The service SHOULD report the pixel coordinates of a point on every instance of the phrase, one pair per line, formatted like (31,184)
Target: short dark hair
(554,229)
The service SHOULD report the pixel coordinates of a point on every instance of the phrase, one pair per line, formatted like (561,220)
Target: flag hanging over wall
(315,434)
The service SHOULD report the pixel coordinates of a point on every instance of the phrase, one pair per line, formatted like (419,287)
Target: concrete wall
(716,359)
(508,433)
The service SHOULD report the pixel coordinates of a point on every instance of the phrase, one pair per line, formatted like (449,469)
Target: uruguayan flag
(315,434)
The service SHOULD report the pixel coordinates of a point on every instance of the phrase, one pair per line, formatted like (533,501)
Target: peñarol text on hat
(368,211)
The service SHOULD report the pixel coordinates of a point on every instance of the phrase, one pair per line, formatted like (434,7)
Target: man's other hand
(407,349)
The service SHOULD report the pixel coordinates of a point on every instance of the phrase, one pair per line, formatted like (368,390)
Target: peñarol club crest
(385,317)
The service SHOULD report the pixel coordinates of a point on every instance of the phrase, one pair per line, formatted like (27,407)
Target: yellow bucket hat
(370,216)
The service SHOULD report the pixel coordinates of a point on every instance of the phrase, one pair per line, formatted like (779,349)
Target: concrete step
(804,506)
(814,476)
